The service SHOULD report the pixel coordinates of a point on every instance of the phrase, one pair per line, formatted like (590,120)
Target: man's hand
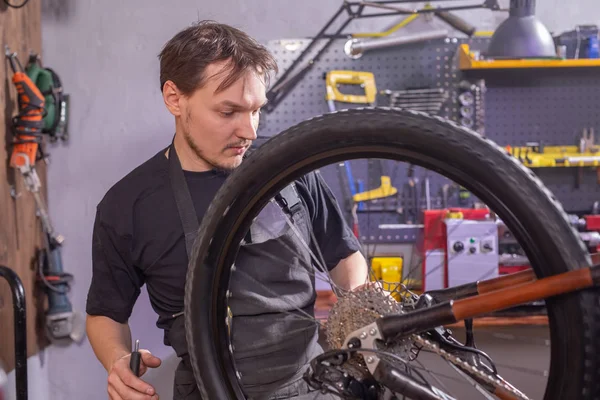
(124,385)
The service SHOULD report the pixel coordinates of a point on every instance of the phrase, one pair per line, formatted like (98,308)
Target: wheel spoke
(316,272)
(476,385)
(434,376)
(304,314)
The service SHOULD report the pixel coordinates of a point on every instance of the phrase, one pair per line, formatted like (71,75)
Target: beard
(215,164)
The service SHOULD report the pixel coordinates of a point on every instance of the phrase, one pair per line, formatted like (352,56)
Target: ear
(172,97)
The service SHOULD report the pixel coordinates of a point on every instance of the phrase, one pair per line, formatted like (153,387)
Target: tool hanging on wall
(539,155)
(586,144)
(471,99)
(27,142)
(56,102)
(354,10)
(585,154)
(429,100)
(366,80)
(411,198)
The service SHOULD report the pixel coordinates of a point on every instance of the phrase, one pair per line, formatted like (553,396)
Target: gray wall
(105,52)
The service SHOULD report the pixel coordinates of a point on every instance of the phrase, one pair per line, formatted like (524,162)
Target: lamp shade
(522,35)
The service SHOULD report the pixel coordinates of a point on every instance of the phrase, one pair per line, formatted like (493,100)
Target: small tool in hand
(134,363)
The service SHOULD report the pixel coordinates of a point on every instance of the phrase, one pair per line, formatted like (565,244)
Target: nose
(248,126)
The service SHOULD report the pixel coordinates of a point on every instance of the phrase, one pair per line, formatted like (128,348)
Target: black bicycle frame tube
(20,322)
(398,382)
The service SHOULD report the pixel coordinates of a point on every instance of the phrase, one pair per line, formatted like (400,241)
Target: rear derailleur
(327,374)
(467,351)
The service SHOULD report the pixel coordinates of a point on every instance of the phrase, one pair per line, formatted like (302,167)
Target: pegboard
(549,105)
(552,106)
(427,64)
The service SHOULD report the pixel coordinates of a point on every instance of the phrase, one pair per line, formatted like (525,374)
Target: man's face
(220,127)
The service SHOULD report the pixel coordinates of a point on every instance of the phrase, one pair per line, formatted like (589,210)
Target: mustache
(243,143)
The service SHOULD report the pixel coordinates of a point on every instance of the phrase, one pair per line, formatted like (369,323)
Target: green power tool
(56,101)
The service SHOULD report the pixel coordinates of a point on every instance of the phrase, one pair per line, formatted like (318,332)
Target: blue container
(593,47)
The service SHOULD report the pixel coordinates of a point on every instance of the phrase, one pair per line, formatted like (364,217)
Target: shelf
(468,62)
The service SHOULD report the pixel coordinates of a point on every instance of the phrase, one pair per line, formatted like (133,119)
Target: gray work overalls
(273,341)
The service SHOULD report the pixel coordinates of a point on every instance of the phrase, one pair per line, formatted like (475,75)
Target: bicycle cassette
(355,310)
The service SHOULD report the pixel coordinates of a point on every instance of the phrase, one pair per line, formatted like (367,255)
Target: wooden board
(20,231)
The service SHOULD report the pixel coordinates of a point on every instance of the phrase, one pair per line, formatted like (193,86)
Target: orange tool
(28,124)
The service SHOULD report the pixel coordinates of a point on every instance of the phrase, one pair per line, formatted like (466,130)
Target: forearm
(350,272)
(110,340)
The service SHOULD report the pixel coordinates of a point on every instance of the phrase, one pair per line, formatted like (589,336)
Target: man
(213,79)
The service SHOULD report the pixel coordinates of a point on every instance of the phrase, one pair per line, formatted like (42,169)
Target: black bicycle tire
(574,319)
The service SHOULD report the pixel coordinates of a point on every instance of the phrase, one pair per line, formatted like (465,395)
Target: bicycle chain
(465,366)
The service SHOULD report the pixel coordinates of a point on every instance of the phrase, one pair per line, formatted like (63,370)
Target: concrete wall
(106,53)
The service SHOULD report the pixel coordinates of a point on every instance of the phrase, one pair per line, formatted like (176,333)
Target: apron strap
(183,198)
(289,199)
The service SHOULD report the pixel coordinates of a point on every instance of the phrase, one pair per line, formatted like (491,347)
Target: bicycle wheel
(531,212)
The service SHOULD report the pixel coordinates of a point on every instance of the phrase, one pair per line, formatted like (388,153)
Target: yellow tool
(378,264)
(536,156)
(389,271)
(386,189)
(337,77)
(454,215)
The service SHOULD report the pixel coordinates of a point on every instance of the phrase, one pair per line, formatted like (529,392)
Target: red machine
(436,261)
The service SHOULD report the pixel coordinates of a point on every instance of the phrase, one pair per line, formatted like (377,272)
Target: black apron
(273,342)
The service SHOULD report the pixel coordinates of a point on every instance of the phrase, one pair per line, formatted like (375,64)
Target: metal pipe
(412,104)
(412,91)
(418,101)
(432,97)
(20,322)
(590,159)
(355,48)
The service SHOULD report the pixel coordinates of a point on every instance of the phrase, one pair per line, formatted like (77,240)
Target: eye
(256,112)
(226,113)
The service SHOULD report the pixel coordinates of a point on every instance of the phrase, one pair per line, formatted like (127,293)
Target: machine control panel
(472,251)
(473,245)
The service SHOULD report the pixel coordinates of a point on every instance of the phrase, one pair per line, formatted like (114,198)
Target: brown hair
(184,58)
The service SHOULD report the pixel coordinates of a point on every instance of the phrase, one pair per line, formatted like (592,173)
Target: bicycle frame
(355,10)
(448,306)
(480,298)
